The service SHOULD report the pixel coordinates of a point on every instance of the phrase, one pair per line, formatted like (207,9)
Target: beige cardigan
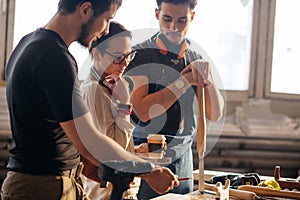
(108,122)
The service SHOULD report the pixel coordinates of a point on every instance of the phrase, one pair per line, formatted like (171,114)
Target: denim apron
(178,124)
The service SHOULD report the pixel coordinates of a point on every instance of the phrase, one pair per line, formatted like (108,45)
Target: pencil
(184,179)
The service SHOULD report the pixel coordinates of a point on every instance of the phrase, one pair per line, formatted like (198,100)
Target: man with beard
(168,73)
(50,122)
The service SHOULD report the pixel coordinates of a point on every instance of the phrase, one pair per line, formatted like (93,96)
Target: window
(249,41)
(286,48)
(225,37)
(30,15)
(40,13)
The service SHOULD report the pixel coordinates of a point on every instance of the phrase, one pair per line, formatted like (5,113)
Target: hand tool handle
(261,191)
(201,126)
(201,136)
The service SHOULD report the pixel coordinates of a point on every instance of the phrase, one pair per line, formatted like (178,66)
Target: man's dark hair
(192,3)
(98,6)
(115,29)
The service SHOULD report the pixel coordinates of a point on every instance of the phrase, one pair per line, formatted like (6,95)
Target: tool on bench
(285,183)
(236,180)
(287,188)
(201,136)
(221,192)
(267,192)
(240,194)
(120,174)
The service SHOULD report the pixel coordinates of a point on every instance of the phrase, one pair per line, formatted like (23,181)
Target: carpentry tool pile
(287,189)
(270,189)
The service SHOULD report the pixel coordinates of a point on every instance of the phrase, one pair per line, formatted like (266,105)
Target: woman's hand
(118,87)
(142,148)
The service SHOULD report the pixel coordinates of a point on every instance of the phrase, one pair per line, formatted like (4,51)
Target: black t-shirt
(42,90)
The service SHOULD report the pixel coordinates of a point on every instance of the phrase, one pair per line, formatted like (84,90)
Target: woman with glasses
(107,95)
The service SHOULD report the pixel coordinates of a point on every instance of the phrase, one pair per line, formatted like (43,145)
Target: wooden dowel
(201,136)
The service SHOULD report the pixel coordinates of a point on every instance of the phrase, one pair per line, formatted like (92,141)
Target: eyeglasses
(118,59)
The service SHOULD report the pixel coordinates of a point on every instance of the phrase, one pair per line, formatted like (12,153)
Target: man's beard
(83,37)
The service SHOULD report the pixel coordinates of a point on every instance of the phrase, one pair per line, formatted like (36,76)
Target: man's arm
(96,147)
(148,106)
(93,145)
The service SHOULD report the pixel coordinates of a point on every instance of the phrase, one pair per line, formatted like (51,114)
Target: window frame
(260,61)
(3,17)
(7,8)
(269,58)
(240,96)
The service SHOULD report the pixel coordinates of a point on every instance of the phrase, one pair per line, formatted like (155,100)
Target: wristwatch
(179,84)
(125,106)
